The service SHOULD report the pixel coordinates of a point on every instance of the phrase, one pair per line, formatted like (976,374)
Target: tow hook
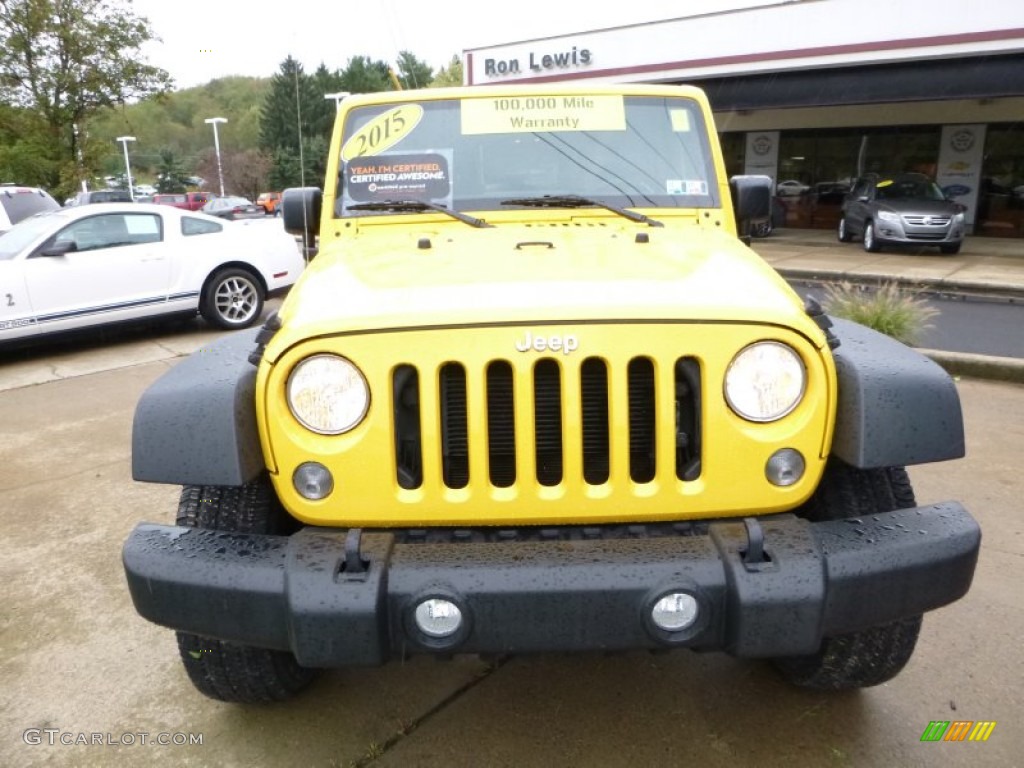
(755,556)
(353,567)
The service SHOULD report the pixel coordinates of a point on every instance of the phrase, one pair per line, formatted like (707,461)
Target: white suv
(17,203)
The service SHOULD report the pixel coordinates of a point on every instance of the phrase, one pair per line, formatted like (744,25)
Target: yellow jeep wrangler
(535,393)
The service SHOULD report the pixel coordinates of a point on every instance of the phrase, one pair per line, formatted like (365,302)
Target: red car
(196,200)
(176,200)
(189,201)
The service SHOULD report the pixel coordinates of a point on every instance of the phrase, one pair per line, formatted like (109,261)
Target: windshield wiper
(575,201)
(417,205)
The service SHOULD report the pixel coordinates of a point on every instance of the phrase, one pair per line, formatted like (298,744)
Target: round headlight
(765,381)
(328,394)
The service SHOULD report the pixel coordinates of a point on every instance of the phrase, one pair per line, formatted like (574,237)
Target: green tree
(413,73)
(65,60)
(295,114)
(450,75)
(290,169)
(320,117)
(292,97)
(25,157)
(170,175)
(364,76)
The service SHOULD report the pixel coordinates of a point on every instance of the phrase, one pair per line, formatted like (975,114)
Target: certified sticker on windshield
(541,114)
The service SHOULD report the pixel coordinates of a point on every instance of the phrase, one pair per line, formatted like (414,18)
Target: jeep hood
(536,274)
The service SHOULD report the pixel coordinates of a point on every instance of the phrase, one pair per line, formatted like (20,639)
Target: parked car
(144,190)
(790,187)
(177,200)
(196,200)
(233,208)
(830,192)
(271,202)
(102,196)
(907,208)
(98,264)
(17,203)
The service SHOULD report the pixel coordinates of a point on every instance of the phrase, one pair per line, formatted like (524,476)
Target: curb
(974,289)
(1009,369)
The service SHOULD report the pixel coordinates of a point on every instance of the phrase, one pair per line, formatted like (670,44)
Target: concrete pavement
(85,680)
(986,266)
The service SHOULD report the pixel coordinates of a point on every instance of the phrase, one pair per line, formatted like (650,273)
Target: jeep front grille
(565,428)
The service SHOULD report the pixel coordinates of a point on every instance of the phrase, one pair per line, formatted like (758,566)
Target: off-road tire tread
(857,660)
(230,671)
(877,654)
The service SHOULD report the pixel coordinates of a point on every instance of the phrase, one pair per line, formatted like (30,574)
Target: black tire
(857,660)
(762,228)
(232,299)
(871,244)
(843,232)
(950,249)
(877,654)
(229,671)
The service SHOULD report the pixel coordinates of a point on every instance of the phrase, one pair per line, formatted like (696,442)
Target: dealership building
(816,92)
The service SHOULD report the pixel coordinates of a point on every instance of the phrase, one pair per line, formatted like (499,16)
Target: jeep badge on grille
(555,343)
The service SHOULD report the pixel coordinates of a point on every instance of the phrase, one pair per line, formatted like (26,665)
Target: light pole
(216,144)
(127,168)
(337,98)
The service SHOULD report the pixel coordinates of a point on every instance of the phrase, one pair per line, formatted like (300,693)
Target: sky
(201,41)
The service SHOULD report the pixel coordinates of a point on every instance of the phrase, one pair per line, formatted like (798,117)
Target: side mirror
(751,196)
(58,249)
(751,200)
(300,209)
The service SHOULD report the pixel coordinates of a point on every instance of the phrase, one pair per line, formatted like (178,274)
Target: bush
(888,309)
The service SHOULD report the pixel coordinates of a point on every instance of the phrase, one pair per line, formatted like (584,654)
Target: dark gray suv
(907,209)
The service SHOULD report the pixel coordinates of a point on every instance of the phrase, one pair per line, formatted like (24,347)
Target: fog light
(313,481)
(785,467)
(674,612)
(437,617)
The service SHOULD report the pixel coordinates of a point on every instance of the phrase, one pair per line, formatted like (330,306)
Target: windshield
(22,204)
(909,189)
(479,153)
(23,234)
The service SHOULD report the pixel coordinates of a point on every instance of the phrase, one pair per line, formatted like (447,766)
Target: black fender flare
(896,406)
(196,424)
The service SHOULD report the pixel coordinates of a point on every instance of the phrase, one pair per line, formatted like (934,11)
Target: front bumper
(560,589)
(902,231)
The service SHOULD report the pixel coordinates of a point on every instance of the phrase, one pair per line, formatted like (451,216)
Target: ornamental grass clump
(888,309)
